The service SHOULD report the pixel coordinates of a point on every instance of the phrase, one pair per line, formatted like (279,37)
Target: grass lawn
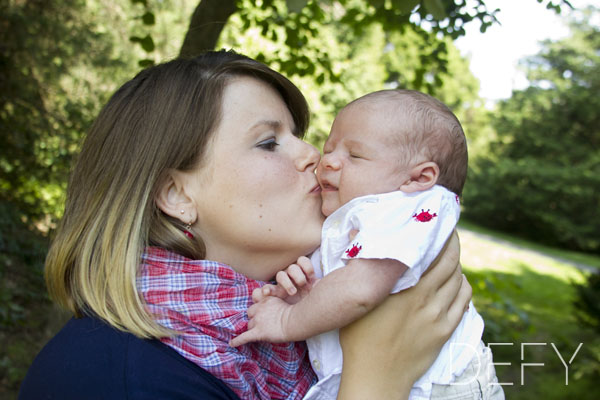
(525,295)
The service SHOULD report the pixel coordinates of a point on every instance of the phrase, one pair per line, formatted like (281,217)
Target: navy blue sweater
(88,359)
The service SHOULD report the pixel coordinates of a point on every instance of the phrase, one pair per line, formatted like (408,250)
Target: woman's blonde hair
(161,120)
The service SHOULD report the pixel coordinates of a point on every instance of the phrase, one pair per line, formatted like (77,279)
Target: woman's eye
(354,155)
(268,144)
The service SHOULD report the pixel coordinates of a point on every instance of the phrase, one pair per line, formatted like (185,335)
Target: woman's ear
(173,200)
(421,177)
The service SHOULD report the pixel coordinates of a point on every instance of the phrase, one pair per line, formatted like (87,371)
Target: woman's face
(256,194)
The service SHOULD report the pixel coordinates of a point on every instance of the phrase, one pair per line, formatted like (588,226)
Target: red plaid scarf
(207,301)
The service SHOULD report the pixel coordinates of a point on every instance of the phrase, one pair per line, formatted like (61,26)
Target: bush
(537,199)
(588,302)
(587,305)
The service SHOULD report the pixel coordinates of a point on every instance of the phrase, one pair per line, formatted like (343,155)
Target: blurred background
(523,78)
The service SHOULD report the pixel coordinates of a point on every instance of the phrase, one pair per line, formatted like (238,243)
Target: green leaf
(145,63)
(406,6)
(148,18)
(147,43)
(144,2)
(377,3)
(295,6)
(435,8)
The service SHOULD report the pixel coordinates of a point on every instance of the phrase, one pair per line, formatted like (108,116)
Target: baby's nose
(330,161)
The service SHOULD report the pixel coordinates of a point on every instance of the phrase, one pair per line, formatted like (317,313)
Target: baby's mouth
(328,187)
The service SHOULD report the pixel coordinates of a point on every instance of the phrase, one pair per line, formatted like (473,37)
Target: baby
(393,168)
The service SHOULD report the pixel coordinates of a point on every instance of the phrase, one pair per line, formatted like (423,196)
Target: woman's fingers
(461,302)
(446,295)
(443,267)
(352,234)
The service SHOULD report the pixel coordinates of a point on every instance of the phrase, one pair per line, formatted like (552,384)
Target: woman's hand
(387,350)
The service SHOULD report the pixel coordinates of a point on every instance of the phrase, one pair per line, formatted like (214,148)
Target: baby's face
(359,158)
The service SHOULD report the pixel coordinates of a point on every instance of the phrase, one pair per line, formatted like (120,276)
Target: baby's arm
(339,298)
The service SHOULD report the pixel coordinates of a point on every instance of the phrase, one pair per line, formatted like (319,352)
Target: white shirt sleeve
(411,228)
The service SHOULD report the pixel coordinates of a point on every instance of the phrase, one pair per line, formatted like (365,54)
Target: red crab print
(424,216)
(457,199)
(353,252)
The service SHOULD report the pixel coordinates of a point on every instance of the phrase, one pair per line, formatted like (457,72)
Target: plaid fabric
(206,302)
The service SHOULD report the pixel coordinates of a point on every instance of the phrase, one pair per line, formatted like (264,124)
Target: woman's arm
(387,350)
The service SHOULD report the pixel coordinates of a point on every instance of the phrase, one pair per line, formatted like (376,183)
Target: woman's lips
(316,189)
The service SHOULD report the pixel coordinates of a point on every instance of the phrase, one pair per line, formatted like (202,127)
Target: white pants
(478,381)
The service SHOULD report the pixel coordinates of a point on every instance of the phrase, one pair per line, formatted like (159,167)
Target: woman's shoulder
(89,359)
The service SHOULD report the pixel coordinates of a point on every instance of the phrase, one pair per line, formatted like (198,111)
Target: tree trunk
(208,20)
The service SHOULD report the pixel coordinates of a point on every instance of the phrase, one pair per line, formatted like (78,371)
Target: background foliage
(540,174)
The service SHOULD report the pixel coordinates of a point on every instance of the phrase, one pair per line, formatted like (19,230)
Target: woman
(198,160)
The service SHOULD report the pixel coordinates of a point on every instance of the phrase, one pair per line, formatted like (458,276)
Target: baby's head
(391,140)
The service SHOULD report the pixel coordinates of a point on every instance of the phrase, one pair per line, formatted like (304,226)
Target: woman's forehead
(250,106)
(254,99)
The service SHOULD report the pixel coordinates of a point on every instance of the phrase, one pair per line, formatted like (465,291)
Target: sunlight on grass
(526,296)
(479,254)
(566,256)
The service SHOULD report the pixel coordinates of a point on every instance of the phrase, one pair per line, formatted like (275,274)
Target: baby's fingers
(267,290)
(259,293)
(307,267)
(296,274)
(284,281)
(246,337)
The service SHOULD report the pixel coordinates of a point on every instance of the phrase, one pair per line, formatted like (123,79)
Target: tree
(298,21)
(60,61)
(443,16)
(542,176)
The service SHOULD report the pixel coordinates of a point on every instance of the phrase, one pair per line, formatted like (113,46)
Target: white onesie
(411,228)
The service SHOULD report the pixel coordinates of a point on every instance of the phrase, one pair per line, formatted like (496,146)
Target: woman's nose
(309,157)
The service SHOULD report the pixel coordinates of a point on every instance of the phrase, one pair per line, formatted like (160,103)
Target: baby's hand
(269,289)
(293,283)
(266,322)
(297,279)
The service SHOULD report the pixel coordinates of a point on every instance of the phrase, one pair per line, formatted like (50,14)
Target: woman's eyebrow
(277,126)
(268,122)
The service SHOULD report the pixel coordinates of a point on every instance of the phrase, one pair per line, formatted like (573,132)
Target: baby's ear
(422,177)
